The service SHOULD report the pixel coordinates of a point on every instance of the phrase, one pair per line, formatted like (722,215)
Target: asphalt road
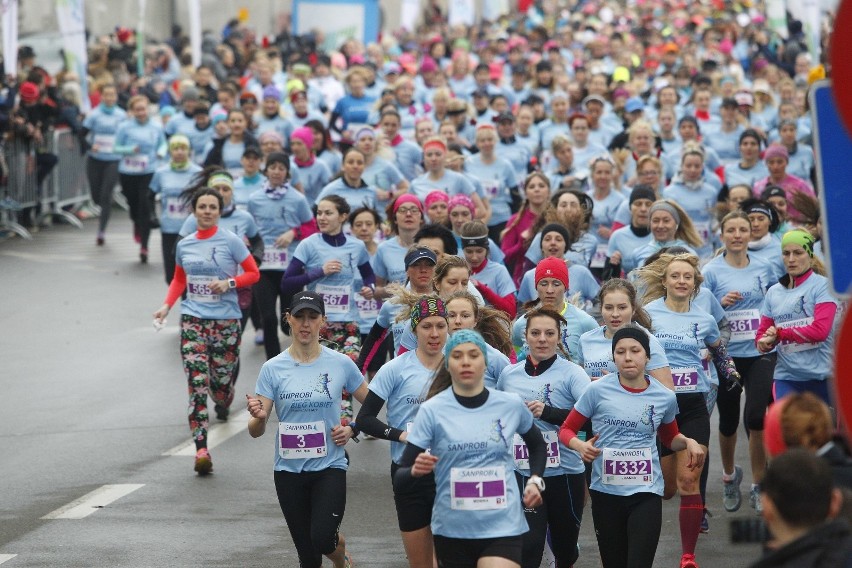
(92,414)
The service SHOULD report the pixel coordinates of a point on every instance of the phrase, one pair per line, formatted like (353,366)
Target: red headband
(437,143)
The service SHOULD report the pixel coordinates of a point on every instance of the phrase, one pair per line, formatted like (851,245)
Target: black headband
(630,332)
(475,242)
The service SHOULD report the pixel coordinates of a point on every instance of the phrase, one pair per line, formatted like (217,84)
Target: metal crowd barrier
(21,189)
(66,187)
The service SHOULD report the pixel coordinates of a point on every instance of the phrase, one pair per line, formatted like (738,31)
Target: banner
(776,17)
(493,9)
(9,11)
(140,41)
(72,26)
(195,31)
(410,14)
(339,20)
(461,12)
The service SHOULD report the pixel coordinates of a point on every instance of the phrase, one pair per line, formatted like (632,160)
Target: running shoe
(688,561)
(203,463)
(732,496)
(222,413)
(705,522)
(100,240)
(347,561)
(754,499)
(143,256)
(258,337)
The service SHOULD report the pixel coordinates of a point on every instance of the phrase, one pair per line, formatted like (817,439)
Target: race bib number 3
(522,454)
(685,379)
(301,441)
(744,324)
(627,467)
(198,289)
(478,489)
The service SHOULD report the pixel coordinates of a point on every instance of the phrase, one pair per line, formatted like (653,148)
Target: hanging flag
(195,31)
(461,12)
(9,11)
(72,26)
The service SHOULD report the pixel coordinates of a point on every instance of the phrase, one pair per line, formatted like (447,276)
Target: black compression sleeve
(537,450)
(369,423)
(553,415)
(402,478)
(256,248)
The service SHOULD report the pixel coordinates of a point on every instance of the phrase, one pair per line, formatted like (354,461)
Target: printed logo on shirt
(648,415)
(544,394)
(321,385)
(498,432)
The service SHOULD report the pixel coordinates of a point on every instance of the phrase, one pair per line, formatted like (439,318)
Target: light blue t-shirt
(204,260)
(384,175)
(726,144)
(625,241)
(338,290)
(699,203)
(407,158)
(275,217)
(389,261)
(477,495)
(497,361)
(580,252)
(627,420)
(313,178)
(140,145)
(595,353)
(452,183)
(751,282)
(518,155)
(402,383)
(603,214)
(387,319)
(356,197)
(770,252)
(307,400)
(795,308)
(560,386)
(169,183)
(497,179)
(244,187)
(238,222)
(102,125)
(737,175)
(683,336)
(496,277)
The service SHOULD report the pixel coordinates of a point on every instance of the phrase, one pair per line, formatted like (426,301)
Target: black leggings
(103,175)
(313,503)
(562,511)
(628,528)
(169,242)
(266,293)
(136,188)
(756,373)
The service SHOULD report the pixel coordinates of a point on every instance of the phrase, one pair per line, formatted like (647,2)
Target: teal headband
(464,336)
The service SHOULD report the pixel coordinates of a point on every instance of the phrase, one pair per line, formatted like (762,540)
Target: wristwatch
(232,283)
(537,481)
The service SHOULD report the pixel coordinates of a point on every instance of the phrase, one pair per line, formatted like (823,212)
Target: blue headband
(464,336)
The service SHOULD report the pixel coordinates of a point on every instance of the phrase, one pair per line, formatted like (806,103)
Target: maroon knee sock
(691,514)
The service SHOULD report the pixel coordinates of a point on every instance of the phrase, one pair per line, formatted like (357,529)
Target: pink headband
(436,195)
(464,201)
(407,198)
(776,151)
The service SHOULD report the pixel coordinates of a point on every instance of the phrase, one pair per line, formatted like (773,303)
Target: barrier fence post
(21,189)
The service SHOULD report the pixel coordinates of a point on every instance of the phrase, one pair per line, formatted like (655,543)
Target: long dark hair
(199,182)
(555,316)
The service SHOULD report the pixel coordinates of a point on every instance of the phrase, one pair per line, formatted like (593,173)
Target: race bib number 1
(478,489)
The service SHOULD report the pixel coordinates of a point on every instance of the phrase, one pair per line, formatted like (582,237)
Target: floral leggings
(210,350)
(346,337)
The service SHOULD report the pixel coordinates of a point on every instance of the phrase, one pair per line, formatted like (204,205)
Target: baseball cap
(634,104)
(419,254)
(307,301)
(252,151)
(594,98)
(505,117)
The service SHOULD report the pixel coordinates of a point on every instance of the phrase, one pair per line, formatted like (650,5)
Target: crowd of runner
(550,246)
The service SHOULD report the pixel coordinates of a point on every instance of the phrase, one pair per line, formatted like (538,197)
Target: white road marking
(6,557)
(91,502)
(216,434)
